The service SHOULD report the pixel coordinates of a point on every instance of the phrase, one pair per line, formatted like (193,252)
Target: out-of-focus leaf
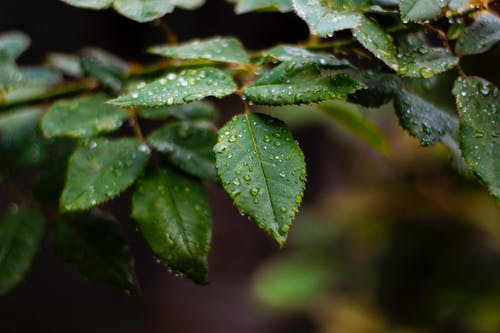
(421,10)
(245,6)
(12,45)
(299,55)
(93,242)
(480,36)
(214,49)
(143,10)
(21,231)
(187,112)
(380,90)
(262,169)
(100,169)
(173,215)
(187,4)
(67,63)
(90,4)
(106,68)
(478,102)
(188,147)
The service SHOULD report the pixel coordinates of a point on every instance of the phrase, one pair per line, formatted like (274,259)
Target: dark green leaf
(421,10)
(109,70)
(291,83)
(480,36)
(93,242)
(143,10)
(188,112)
(173,215)
(295,54)
(262,169)
(100,169)
(188,86)
(82,117)
(214,49)
(381,87)
(91,4)
(188,147)
(21,231)
(478,102)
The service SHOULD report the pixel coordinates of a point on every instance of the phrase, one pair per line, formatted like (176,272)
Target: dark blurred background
(397,243)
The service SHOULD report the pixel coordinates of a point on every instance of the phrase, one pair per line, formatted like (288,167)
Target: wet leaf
(91,4)
(173,215)
(262,169)
(480,36)
(478,102)
(299,55)
(380,90)
(100,169)
(189,112)
(21,231)
(245,6)
(105,67)
(291,83)
(421,10)
(93,242)
(187,146)
(214,49)
(143,10)
(188,86)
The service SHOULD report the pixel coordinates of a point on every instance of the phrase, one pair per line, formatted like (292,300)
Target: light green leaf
(21,231)
(188,112)
(93,242)
(349,116)
(262,169)
(66,63)
(82,117)
(291,83)
(90,4)
(480,36)
(188,86)
(13,44)
(324,21)
(214,49)
(478,102)
(295,54)
(188,147)
(173,215)
(245,6)
(143,10)
(187,4)
(373,38)
(108,69)
(421,10)
(100,169)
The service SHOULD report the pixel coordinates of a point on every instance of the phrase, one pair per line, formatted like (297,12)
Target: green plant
(60,118)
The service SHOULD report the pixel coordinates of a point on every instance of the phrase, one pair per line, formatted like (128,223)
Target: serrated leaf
(82,117)
(100,169)
(375,40)
(188,112)
(480,36)
(295,54)
(214,49)
(421,10)
(262,169)
(380,89)
(188,86)
(13,44)
(93,242)
(478,102)
(187,146)
(90,4)
(143,10)
(291,83)
(173,215)
(21,142)
(324,21)
(349,117)
(21,231)
(245,6)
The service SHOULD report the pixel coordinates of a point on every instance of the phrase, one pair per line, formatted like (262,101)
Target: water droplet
(254,191)
(283,174)
(232,138)
(247,178)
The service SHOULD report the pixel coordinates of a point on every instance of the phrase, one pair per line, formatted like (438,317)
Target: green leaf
(262,169)
(478,102)
(82,117)
(21,142)
(187,146)
(143,10)
(421,10)
(188,112)
(188,86)
(13,44)
(324,21)
(173,215)
(100,169)
(381,87)
(480,36)
(214,49)
(373,38)
(187,4)
(90,4)
(21,231)
(295,54)
(245,6)
(108,69)
(291,83)
(66,63)
(349,117)
(93,242)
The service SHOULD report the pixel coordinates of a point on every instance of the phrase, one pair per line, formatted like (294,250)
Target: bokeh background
(397,243)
